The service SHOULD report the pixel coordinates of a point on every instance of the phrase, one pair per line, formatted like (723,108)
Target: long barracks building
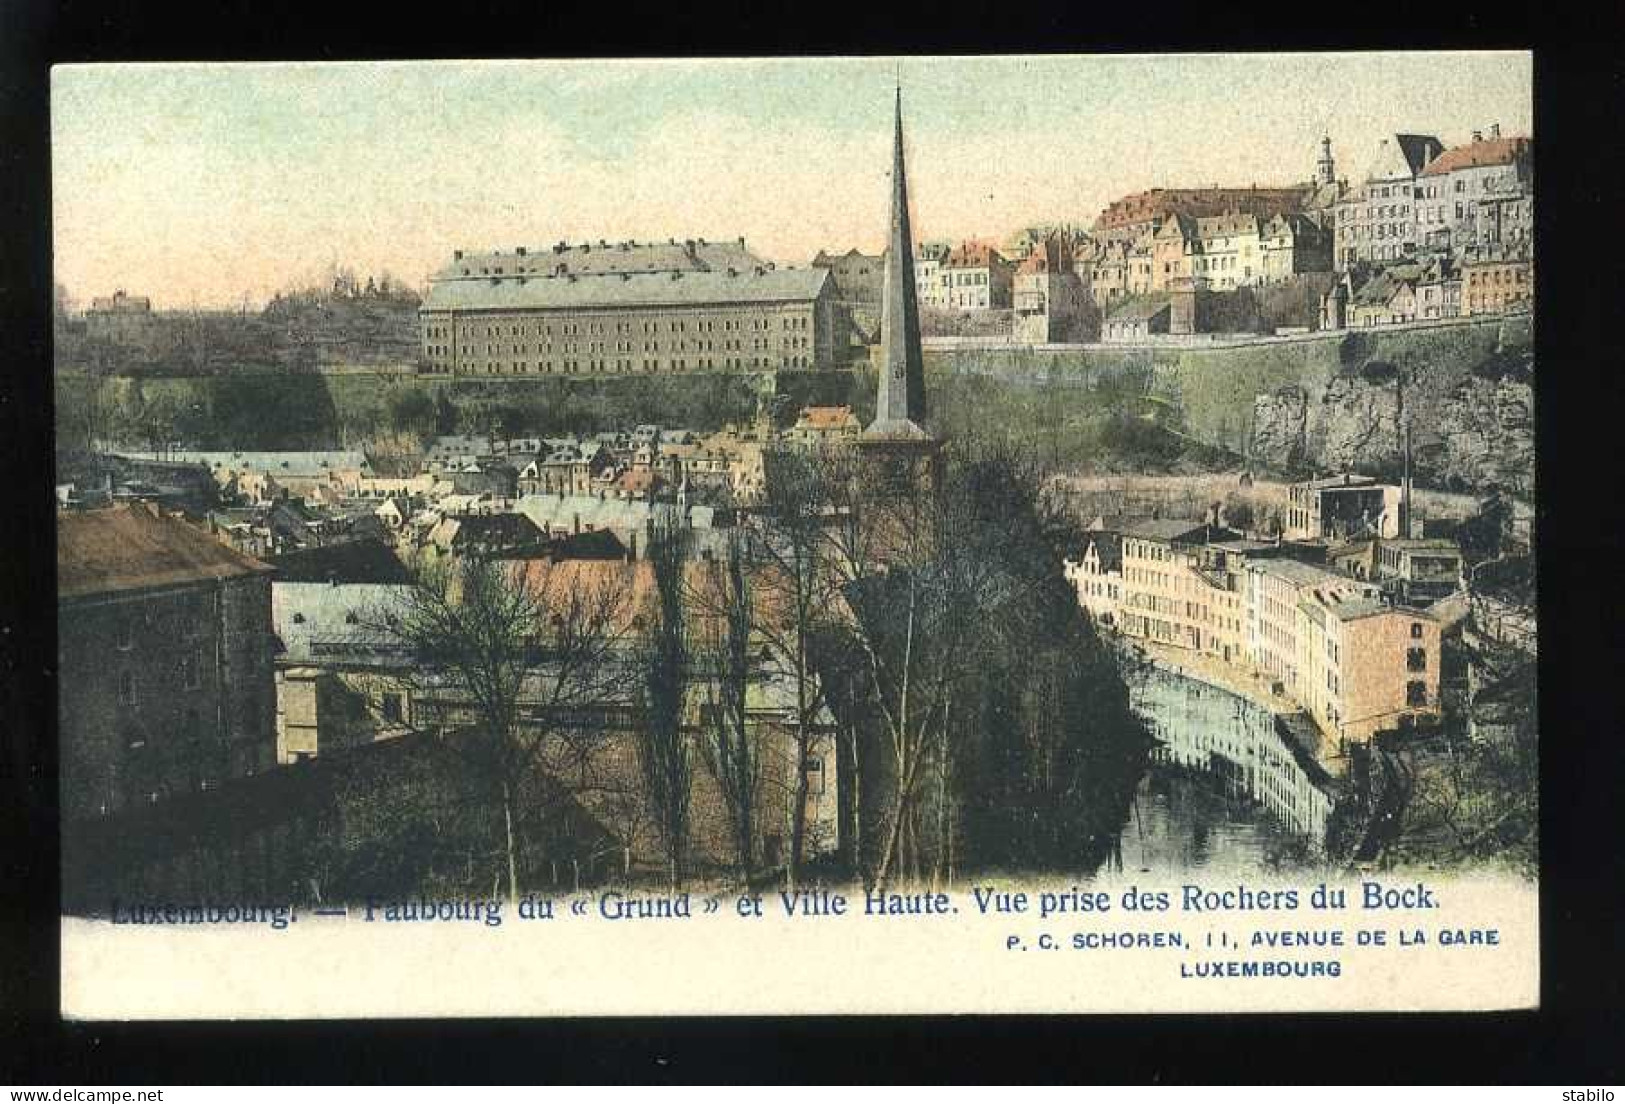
(627,307)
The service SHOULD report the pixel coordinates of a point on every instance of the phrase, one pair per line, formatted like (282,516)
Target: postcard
(796,536)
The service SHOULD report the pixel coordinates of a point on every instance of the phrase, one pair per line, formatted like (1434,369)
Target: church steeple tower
(900,413)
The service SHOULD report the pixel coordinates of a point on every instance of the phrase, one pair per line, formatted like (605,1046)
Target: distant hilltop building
(1126,219)
(1471,202)
(1051,300)
(976,276)
(928,277)
(124,319)
(1225,239)
(857,275)
(120,303)
(1436,233)
(622,308)
(1482,198)
(1378,220)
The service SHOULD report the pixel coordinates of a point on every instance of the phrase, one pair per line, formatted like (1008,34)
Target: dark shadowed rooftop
(126,548)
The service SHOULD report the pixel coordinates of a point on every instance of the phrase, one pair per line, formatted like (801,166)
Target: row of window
(522,349)
(577,329)
(644,364)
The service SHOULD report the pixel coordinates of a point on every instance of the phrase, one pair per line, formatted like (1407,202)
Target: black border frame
(1577,1036)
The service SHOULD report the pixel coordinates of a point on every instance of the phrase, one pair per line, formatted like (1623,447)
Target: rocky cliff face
(1472,423)
(1280,433)
(1488,434)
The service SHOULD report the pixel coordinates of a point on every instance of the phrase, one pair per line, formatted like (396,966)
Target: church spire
(900,404)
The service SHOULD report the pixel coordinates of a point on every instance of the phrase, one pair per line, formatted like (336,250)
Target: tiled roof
(603,257)
(1165,529)
(1233,222)
(1139,307)
(1357,606)
(1346,480)
(1489,151)
(286,464)
(1297,573)
(1379,291)
(125,548)
(459,446)
(562,512)
(345,622)
(1158,202)
(826,417)
(748,285)
(1050,254)
(363,561)
(636,481)
(973,255)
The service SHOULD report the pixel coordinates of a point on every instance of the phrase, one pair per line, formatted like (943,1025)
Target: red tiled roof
(1158,202)
(626,592)
(124,548)
(636,481)
(1052,254)
(1490,151)
(826,417)
(973,255)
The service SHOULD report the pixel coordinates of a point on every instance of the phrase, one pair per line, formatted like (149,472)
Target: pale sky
(198,184)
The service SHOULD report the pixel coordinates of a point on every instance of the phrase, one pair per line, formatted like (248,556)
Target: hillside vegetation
(1327,403)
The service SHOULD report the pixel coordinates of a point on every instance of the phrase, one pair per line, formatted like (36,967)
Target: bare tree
(797,510)
(517,671)
(955,586)
(912,584)
(663,752)
(724,601)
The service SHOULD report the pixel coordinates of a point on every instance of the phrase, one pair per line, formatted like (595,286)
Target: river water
(1183,821)
(1224,791)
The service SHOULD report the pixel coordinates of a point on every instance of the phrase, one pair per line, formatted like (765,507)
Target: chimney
(1405,489)
(456,254)
(520,251)
(1495,130)
(1478,135)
